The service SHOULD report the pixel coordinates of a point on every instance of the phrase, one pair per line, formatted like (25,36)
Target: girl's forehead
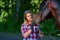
(29,14)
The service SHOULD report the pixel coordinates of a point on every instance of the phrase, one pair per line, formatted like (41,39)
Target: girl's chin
(30,20)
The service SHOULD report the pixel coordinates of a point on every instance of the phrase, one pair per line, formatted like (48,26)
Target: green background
(11,16)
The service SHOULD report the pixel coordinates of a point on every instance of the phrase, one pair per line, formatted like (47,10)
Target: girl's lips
(30,18)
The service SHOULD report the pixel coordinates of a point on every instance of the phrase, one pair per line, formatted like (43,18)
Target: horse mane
(42,5)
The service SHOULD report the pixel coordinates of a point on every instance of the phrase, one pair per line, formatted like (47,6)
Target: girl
(29,32)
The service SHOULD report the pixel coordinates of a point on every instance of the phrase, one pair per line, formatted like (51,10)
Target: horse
(52,6)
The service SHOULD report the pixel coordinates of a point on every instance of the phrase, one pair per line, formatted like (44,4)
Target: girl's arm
(25,32)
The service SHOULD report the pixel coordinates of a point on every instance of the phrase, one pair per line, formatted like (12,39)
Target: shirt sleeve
(23,29)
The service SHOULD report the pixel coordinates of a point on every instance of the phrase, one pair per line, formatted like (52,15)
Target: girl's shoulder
(24,24)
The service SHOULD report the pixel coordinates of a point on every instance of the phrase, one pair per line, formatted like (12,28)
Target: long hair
(25,13)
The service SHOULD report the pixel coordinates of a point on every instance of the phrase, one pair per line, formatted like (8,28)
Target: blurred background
(11,17)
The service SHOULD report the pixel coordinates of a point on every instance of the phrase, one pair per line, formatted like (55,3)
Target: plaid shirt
(33,35)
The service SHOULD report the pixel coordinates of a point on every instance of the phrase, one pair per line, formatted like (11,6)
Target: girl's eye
(28,16)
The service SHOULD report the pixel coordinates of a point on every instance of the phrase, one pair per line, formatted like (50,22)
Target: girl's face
(29,17)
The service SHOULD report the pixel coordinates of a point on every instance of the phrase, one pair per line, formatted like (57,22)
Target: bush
(48,27)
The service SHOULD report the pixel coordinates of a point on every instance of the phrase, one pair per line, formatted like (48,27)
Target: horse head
(50,6)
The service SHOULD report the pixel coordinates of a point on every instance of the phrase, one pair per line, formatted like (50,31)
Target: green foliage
(35,5)
(48,27)
(11,20)
(7,9)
